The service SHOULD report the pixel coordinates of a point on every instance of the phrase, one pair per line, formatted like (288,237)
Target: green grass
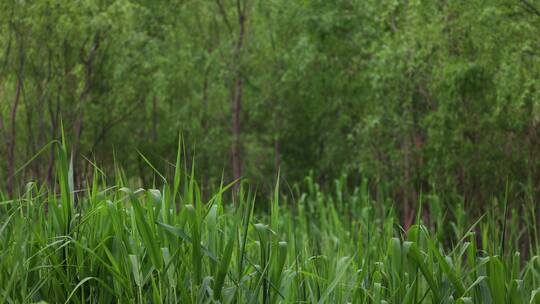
(120,245)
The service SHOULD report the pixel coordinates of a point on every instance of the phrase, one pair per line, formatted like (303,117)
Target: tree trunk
(205,125)
(237,98)
(11,137)
(89,66)
(408,212)
(54,114)
(154,119)
(235,150)
(277,156)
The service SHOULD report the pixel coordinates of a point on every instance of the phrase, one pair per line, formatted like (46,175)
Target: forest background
(424,100)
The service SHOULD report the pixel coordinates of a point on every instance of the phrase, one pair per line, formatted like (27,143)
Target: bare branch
(530,7)
(224,16)
(109,125)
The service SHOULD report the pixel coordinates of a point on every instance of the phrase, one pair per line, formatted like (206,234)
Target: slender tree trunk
(410,134)
(237,97)
(11,142)
(79,123)
(32,139)
(54,113)
(205,118)
(11,137)
(277,155)
(41,128)
(154,118)
(76,144)
(236,109)
(408,212)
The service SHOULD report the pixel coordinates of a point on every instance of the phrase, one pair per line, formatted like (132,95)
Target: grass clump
(114,244)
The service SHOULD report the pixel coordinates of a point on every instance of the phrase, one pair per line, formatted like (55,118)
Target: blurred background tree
(414,96)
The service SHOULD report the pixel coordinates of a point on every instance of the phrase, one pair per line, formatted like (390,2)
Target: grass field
(113,244)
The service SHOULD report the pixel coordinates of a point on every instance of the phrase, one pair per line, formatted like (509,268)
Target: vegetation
(117,244)
(363,151)
(420,96)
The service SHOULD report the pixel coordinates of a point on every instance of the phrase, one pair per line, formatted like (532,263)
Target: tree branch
(109,125)
(530,7)
(224,16)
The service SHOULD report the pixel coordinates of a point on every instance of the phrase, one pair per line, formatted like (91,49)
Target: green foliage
(425,99)
(117,244)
